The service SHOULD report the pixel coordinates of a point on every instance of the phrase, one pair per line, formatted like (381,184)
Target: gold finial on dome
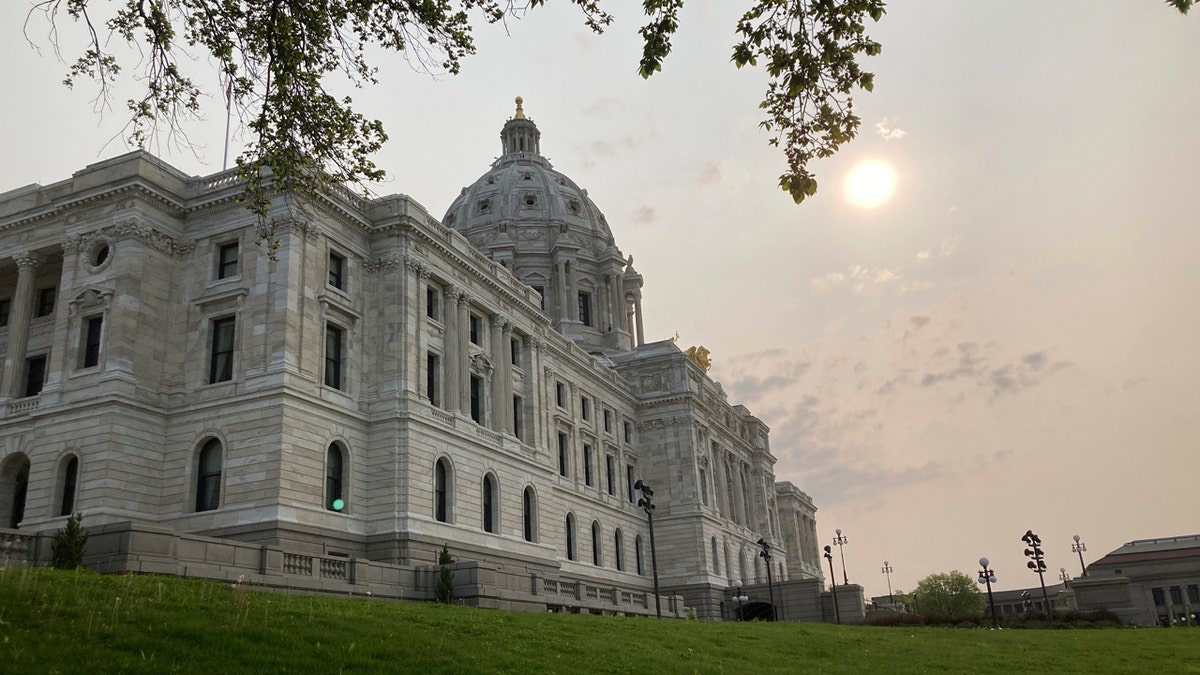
(520,111)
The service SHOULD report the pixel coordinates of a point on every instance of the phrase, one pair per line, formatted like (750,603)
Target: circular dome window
(99,254)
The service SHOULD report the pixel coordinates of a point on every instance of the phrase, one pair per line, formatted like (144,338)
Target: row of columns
(615,309)
(20,316)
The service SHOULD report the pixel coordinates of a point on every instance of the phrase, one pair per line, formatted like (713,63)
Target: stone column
(19,316)
(450,349)
(500,421)
(561,264)
(637,309)
(506,359)
(462,353)
(415,361)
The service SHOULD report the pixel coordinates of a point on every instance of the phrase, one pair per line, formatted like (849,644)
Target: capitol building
(324,403)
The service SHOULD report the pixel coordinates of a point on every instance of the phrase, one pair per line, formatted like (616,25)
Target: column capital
(27,260)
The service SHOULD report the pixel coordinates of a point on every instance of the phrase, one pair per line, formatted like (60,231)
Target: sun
(870,183)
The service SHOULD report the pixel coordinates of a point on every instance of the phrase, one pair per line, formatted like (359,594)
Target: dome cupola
(545,229)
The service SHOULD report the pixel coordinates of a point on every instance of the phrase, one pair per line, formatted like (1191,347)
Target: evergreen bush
(445,583)
(66,551)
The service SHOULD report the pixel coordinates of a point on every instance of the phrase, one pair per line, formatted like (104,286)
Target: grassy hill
(52,621)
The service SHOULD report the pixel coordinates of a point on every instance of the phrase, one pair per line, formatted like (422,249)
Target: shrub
(66,551)
(445,583)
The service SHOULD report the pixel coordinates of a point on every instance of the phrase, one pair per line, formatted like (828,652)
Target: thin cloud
(710,173)
(645,215)
(887,132)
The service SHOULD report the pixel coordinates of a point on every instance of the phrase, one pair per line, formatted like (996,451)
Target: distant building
(1146,582)
(329,413)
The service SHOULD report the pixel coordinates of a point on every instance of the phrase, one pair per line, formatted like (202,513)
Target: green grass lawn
(52,621)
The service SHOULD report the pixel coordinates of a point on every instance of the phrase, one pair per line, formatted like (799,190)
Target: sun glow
(870,184)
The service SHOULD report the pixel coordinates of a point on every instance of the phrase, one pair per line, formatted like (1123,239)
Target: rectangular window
(91,341)
(35,374)
(45,302)
(514,347)
(227,260)
(541,291)
(5,308)
(628,433)
(477,399)
(334,355)
(629,482)
(432,365)
(337,271)
(610,470)
(560,394)
(431,302)
(474,329)
(607,421)
(220,363)
(587,465)
(585,309)
(562,454)
(517,413)
(585,408)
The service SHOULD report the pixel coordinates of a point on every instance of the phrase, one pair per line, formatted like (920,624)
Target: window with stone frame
(514,348)
(443,491)
(518,413)
(433,366)
(432,303)
(227,260)
(477,399)
(208,476)
(70,477)
(529,514)
(587,465)
(92,329)
(619,550)
(585,308)
(585,408)
(629,481)
(474,333)
(610,471)
(337,270)
(220,362)
(335,465)
(560,395)
(597,551)
(628,433)
(335,356)
(563,455)
(45,302)
(570,536)
(35,374)
(491,505)
(608,416)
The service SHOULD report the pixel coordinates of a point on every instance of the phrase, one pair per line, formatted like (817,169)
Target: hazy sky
(1009,343)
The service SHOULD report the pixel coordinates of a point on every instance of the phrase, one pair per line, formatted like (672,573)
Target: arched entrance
(14,482)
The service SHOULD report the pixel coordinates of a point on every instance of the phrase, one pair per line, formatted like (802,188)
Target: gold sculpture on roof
(520,111)
(700,356)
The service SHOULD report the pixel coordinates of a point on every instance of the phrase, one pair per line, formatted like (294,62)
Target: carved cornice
(383,263)
(132,228)
(663,423)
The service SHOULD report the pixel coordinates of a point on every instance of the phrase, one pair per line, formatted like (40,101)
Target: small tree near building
(66,551)
(445,583)
(952,594)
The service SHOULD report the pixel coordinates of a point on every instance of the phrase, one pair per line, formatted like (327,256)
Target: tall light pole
(739,596)
(765,554)
(1037,563)
(833,584)
(1079,547)
(987,576)
(1063,575)
(887,569)
(648,507)
(841,541)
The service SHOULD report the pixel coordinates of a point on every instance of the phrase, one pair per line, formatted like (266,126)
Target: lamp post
(765,554)
(1063,576)
(1079,547)
(988,577)
(840,541)
(887,569)
(1037,563)
(648,507)
(833,584)
(739,596)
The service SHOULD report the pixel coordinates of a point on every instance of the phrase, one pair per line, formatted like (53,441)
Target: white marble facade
(379,385)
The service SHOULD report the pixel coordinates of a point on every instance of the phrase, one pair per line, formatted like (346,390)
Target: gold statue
(700,356)
(520,111)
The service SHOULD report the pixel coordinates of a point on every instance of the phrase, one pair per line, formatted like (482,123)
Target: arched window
(637,554)
(716,560)
(70,476)
(14,483)
(491,512)
(728,562)
(570,537)
(597,554)
(441,491)
(530,514)
(618,551)
(335,462)
(208,476)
